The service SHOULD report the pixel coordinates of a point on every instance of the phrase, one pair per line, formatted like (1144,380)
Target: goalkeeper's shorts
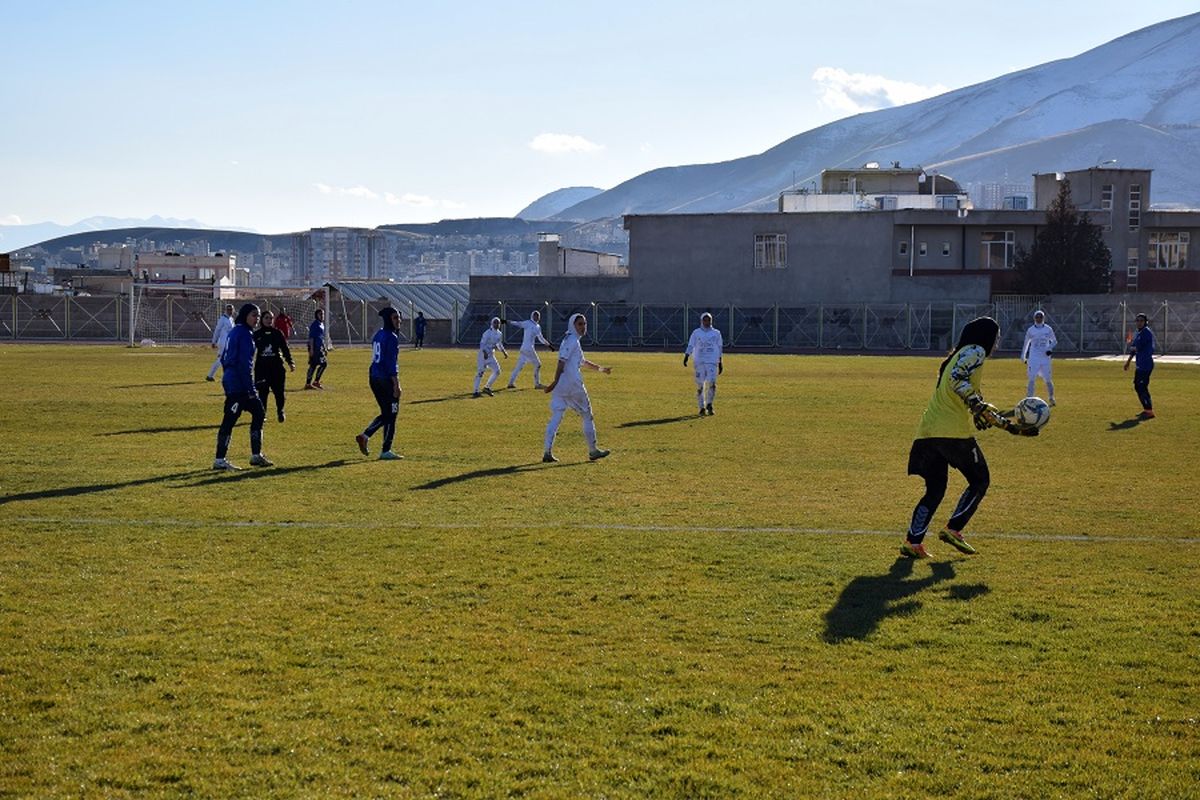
(930,458)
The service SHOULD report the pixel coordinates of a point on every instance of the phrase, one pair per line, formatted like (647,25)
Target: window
(1168,250)
(1135,206)
(1016,202)
(844,185)
(946,202)
(922,249)
(997,249)
(887,202)
(770,250)
(1106,197)
(945,248)
(903,249)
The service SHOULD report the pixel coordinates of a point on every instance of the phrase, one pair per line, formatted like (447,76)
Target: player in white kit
(532,329)
(705,348)
(1039,345)
(567,390)
(219,337)
(485,359)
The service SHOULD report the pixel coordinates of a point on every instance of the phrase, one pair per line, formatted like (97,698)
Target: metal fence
(1099,326)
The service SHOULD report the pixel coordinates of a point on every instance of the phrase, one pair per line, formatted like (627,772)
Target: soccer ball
(1033,411)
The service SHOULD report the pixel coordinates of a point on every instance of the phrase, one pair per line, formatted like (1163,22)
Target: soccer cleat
(510,386)
(597,454)
(1147,414)
(259,460)
(914,550)
(318,385)
(957,541)
(476,394)
(209,378)
(548,458)
(308,386)
(539,386)
(362,444)
(709,408)
(1052,403)
(282,416)
(488,392)
(388,455)
(702,412)
(222,463)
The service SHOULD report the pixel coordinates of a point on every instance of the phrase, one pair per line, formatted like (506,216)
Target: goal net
(173,314)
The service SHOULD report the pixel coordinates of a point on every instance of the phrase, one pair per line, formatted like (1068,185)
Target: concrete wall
(537,289)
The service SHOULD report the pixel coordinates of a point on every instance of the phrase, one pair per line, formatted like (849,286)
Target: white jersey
(705,346)
(1038,339)
(490,340)
(224,326)
(571,351)
(532,334)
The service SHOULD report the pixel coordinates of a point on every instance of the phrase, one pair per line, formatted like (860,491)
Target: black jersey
(272,347)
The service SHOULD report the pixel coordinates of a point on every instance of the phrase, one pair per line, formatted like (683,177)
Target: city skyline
(281,118)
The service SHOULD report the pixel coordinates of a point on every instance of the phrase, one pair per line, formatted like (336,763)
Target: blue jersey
(385,350)
(316,333)
(1142,347)
(238,361)
(419,326)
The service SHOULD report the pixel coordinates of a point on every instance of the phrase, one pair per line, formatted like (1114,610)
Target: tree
(1069,255)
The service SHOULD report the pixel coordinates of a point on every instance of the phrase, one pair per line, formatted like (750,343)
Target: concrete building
(556,260)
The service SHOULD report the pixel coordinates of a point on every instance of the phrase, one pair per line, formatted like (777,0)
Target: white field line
(304,525)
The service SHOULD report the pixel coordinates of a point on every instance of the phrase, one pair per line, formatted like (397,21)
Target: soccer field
(715,610)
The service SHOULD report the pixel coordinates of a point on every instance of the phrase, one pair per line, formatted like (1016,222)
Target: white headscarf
(571,324)
(492,324)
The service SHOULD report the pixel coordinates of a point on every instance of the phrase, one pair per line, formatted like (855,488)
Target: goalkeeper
(946,438)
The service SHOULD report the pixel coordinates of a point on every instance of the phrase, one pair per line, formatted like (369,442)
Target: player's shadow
(92,488)
(868,600)
(253,473)
(148,385)
(1132,422)
(171,429)
(491,472)
(463,396)
(661,421)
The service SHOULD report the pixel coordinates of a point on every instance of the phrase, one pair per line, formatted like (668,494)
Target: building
(556,260)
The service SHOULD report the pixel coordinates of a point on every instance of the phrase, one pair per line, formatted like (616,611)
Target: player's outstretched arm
(595,366)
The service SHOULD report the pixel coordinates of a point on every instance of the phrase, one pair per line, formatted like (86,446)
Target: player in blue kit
(316,351)
(1142,349)
(385,384)
(237,359)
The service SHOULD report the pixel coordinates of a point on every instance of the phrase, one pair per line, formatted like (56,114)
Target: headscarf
(710,318)
(571,324)
(387,313)
(981,331)
(245,312)
(494,321)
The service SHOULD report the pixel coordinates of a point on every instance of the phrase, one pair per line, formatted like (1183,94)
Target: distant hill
(1135,99)
(15,237)
(218,240)
(483,226)
(559,200)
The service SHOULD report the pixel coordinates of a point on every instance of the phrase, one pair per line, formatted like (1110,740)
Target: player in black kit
(272,352)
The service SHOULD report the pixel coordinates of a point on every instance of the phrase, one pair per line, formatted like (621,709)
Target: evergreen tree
(1069,255)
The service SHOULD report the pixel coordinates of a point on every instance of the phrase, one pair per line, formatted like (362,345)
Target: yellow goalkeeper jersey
(947,415)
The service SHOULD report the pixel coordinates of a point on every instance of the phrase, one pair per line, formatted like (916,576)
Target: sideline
(303,525)
(1157,359)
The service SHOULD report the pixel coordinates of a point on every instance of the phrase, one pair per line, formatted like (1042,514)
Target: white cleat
(222,463)
(388,455)
(261,461)
(598,454)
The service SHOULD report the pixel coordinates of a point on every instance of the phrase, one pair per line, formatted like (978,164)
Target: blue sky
(282,116)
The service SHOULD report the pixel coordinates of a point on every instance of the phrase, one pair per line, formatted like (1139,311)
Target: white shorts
(1038,367)
(706,373)
(574,399)
(482,362)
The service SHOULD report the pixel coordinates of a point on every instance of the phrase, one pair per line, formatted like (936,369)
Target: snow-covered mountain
(14,237)
(1135,99)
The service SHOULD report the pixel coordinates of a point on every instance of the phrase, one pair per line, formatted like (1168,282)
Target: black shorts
(931,457)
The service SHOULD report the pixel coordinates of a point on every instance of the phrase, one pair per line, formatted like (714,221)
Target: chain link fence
(1085,327)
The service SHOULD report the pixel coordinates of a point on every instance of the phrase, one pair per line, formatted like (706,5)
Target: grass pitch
(715,610)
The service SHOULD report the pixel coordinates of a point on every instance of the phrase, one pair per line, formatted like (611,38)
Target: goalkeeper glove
(1049,352)
(1019,429)
(985,414)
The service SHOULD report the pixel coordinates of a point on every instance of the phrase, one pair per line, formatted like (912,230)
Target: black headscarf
(982,331)
(245,312)
(387,313)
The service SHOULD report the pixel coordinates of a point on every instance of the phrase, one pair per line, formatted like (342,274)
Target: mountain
(14,237)
(559,200)
(1135,99)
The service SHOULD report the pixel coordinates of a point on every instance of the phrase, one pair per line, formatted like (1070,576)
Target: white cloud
(347,191)
(856,92)
(409,199)
(559,143)
(11,219)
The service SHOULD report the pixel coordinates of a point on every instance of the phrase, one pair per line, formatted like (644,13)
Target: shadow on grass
(149,385)
(491,473)
(1132,422)
(252,473)
(868,600)
(92,488)
(662,421)
(176,429)
(463,396)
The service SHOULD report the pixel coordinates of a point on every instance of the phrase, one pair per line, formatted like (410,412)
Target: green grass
(716,610)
